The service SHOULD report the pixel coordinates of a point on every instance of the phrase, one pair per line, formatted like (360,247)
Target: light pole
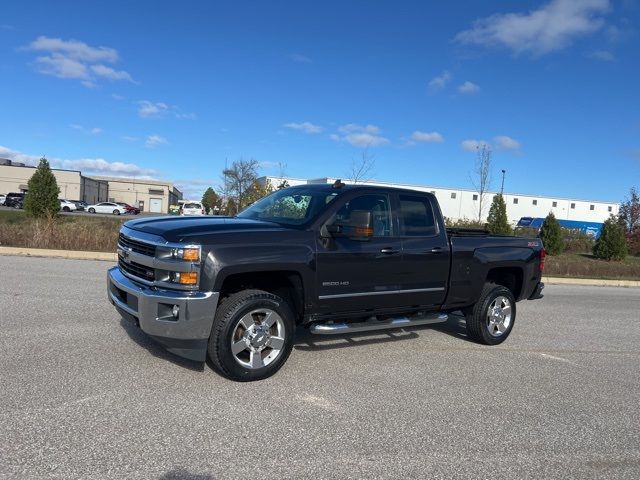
(502,188)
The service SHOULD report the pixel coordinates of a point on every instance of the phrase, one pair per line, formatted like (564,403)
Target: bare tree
(282,176)
(481,178)
(362,167)
(239,178)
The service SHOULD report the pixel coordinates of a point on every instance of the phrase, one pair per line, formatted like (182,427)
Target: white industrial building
(459,203)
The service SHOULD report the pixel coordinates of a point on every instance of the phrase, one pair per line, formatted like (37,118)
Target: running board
(369,325)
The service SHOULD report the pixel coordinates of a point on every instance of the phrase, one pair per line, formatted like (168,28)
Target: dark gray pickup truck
(332,258)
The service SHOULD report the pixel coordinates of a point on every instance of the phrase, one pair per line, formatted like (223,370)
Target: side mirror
(359,226)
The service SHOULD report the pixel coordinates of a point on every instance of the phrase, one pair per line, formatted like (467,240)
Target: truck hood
(175,229)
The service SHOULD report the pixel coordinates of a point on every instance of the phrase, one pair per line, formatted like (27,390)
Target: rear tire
(66,209)
(491,319)
(252,335)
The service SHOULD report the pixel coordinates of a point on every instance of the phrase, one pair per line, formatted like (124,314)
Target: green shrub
(551,235)
(612,244)
(41,200)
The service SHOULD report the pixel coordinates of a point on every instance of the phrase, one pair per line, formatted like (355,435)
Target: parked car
(67,205)
(80,205)
(106,207)
(334,259)
(192,208)
(129,208)
(14,200)
(3,197)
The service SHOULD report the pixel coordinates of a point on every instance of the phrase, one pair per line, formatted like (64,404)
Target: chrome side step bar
(370,325)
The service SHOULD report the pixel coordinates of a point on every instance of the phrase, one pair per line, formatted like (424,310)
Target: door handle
(436,250)
(389,250)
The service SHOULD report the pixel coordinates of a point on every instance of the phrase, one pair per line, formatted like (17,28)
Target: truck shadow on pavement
(306,341)
(157,350)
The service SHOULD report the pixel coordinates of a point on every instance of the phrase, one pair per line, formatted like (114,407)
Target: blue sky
(172,89)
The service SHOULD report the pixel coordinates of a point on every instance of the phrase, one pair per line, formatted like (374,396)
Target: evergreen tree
(42,198)
(209,199)
(611,245)
(497,221)
(551,235)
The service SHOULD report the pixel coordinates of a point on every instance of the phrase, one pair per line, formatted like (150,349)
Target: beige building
(148,195)
(14,177)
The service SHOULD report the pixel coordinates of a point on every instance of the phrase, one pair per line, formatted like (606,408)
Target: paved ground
(86,395)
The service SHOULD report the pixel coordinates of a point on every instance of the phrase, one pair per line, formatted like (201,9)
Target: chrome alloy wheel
(499,316)
(258,338)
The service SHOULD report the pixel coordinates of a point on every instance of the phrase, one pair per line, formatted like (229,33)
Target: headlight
(192,254)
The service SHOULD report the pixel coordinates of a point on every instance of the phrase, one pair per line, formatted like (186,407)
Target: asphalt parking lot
(86,395)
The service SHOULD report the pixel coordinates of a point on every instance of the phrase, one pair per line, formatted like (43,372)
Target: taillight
(543,254)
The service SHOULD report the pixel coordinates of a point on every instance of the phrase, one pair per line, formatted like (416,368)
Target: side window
(417,216)
(380,209)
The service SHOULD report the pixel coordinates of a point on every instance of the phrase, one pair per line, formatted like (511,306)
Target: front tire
(66,209)
(116,212)
(491,319)
(252,335)
(92,210)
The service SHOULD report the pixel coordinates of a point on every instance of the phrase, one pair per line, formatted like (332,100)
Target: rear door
(425,250)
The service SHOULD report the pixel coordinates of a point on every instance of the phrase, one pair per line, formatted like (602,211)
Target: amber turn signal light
(187,278)
(192,254)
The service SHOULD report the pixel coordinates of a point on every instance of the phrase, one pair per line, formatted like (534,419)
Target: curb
(71,254)
(594,282)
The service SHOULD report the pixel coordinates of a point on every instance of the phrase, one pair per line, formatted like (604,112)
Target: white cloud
(440,81)
(306,127)
(468,87)
(59,66)
(551,27)
(429,137)
(117,96)
(602,55)
(72,59)
(110,73)
(153,141)
(74,49)
(147,109)
(85,165)
(299,58)
(503,142)
(360,135)
(89,131)
(471,145)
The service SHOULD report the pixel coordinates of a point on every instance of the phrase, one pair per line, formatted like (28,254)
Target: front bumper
(185,336)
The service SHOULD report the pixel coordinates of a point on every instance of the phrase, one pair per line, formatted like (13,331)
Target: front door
(356,275)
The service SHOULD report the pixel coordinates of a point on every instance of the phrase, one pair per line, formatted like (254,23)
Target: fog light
(175,311)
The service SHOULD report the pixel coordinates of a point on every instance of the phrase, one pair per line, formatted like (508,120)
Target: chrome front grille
(137,246)
(137,270)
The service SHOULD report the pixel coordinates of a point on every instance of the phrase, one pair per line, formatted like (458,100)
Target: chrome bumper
(187,335)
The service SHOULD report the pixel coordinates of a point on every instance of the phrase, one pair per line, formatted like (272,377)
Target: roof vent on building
(338,184)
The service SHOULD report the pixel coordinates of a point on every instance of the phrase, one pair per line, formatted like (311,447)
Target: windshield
(192,205)
(291,206)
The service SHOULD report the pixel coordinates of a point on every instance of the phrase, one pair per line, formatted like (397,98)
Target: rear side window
(417,216)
